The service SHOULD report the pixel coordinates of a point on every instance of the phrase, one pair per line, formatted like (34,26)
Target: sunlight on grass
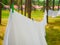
(5,13)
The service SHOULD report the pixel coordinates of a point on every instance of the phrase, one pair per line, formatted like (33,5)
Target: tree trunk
(29,8)
(58,4)
(47,3)
(25,7)
(44,6)
(53,4)
(21,6)
(0,11)
(18,4)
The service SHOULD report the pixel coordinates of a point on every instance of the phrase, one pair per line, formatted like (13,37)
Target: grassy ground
(52,28)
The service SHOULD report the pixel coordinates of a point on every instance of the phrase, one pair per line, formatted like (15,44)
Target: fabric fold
(24,31)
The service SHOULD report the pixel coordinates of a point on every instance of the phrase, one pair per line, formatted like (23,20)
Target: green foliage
(5,1)
(35,2)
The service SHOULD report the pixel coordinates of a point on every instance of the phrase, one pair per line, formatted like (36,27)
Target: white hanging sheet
(52,13)
(24,31)
(58,13)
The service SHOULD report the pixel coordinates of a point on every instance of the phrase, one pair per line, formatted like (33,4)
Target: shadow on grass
(2,25)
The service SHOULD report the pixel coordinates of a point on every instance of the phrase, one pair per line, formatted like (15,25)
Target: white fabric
(58,13)
(24,31)
(52,13)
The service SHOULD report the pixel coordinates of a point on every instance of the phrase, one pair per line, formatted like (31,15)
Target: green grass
(53,34)
(52,29)
(37,14)
(5,13)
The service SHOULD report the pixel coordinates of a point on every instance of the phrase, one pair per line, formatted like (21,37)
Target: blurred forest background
(38,7)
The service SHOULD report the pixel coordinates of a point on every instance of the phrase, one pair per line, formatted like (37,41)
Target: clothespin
(12,7)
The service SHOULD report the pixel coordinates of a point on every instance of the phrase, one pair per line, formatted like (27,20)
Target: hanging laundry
(53,13)
(58,13)
(24,31)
